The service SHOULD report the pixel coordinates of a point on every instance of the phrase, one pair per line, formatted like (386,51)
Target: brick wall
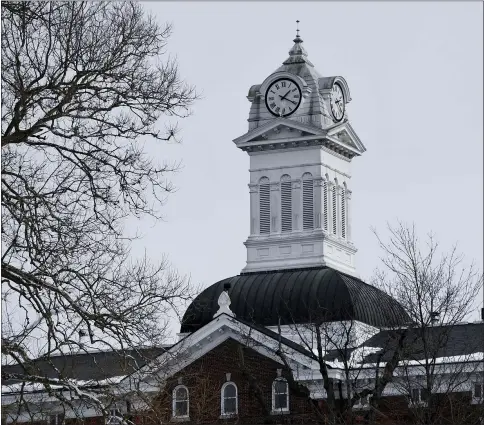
(251,372)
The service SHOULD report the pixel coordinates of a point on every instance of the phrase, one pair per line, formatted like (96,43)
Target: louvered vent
(265,208)
(286,206)
(325,205)
(334,210)
(343,214)
(308,201)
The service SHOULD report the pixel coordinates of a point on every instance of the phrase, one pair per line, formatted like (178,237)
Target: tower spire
(298,53)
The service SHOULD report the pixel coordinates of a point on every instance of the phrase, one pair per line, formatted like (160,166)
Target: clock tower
(300,145)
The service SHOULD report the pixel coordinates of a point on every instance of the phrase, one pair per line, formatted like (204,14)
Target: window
(362,403)
(280,395)
(418,397)
(325,205)
(57,419)
(115,417)
(229,399)
(477,393)
(308,201)
(286,203)
(335,188)
(343,213)
(264,206)
(180,402)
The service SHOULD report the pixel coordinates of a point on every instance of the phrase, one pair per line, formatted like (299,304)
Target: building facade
(297,337)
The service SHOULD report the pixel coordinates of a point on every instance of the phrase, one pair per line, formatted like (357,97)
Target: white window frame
(174,401)
(419,402)
(115,416)
(360,406)
(56,419)
(222,400)
(279,409)
(475,399)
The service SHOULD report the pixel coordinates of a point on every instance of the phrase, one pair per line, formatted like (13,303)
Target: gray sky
(415,75)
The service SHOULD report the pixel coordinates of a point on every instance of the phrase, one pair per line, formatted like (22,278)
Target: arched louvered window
(335,207)
(264,206)
(325,205)
(286,203)
(343,211)
(308,202)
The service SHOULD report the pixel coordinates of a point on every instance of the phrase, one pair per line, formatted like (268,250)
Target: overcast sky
(415,75)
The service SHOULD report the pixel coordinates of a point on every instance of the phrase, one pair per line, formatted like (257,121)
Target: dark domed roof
(297,296)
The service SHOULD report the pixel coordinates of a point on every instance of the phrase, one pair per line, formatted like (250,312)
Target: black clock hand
(283,97)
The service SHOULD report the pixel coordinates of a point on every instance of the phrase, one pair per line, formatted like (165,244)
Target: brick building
(297,337)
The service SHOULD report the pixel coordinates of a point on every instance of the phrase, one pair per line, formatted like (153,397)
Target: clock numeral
(294,89)
(283,110)
(277,86)
(289,85)
(273,92)
(271,98)
(283,84)
(296,96)
(278,109)
(290,109)
(272,105)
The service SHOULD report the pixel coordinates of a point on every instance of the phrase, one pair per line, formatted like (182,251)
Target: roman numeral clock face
(283,97)
(337,102)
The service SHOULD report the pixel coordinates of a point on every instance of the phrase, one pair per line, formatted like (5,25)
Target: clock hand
(282,98)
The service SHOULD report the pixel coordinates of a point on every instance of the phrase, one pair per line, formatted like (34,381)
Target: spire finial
(297,28)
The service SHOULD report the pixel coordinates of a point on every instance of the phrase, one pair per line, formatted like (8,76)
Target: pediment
(209,337)
(279,129)
(344,135)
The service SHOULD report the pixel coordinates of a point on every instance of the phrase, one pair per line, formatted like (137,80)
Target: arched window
(280,395)
(229,399)
(343,211)
(325,205)
(335,205)
(286,203)
(264,206)
(181,402)
(308,202)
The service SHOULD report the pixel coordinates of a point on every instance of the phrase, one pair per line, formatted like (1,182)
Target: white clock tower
(300,144)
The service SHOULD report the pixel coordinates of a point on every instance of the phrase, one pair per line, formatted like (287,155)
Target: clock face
(337,102)
(283,97)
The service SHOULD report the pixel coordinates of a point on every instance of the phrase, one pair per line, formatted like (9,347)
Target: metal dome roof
(297,296)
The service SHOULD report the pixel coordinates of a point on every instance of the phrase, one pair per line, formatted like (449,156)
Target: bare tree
(438,291)
(84,84)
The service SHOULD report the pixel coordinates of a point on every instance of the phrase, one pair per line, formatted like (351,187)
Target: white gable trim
(291,124)
(345,127)
(210,336)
